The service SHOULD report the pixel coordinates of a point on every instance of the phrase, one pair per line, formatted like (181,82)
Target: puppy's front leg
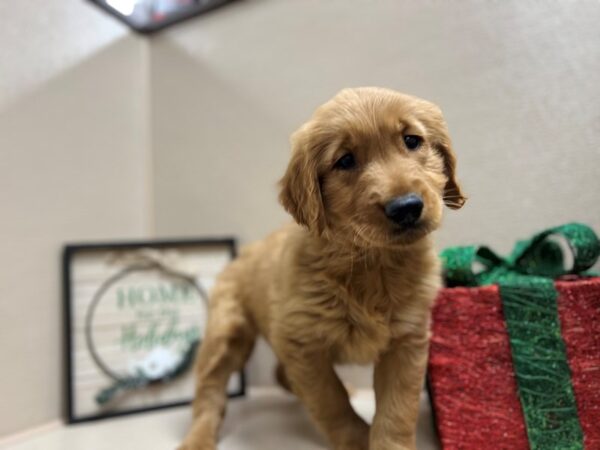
(313,379)
(399,377)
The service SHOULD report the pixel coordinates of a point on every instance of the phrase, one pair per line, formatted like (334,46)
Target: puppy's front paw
(197,444)
(185,446)
(354,437)
(386,444)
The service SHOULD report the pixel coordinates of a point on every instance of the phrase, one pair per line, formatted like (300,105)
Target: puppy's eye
(346,162)
(412,142)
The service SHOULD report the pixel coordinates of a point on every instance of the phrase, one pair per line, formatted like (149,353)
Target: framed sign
(147,16)
(135,314)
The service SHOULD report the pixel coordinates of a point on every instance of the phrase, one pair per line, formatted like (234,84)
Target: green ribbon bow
(529,301)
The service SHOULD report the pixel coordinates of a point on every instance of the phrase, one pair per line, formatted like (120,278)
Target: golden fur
(344,284)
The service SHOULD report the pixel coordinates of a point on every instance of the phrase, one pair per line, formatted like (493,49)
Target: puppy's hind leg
(227,344)
(313,379)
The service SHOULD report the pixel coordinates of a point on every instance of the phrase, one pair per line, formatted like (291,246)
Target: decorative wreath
(143,260)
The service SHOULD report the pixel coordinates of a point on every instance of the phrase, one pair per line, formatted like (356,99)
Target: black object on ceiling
(147,16)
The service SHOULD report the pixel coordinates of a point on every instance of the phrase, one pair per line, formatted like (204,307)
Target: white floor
(267,419)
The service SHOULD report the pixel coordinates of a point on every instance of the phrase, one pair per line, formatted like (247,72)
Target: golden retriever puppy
(353,281)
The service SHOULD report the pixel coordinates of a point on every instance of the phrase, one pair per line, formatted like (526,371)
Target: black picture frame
(69,250)
(151,27)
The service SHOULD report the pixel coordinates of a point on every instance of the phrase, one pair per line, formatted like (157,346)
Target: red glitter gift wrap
(471,374)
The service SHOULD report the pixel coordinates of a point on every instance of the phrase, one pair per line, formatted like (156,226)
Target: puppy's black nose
(405,210)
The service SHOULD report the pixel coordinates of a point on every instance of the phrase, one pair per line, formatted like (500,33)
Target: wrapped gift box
(515,358)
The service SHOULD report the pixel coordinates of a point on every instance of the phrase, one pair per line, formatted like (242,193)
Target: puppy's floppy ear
(300,192)
(453,195)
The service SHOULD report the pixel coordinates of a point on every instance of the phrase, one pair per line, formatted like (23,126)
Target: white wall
(73,166)
(516,79)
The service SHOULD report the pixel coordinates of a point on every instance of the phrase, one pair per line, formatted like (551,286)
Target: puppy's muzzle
(404,211)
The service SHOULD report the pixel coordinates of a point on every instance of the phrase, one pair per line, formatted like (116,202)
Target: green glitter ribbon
(529,301)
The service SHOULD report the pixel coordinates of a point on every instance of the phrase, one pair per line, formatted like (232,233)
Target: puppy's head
(372,166)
